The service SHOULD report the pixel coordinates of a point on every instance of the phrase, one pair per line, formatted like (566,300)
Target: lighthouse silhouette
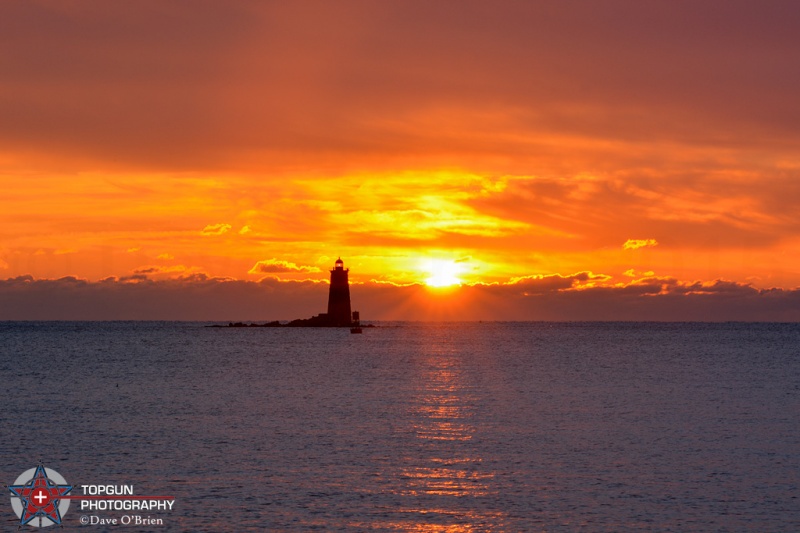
(339,313)
(339,296)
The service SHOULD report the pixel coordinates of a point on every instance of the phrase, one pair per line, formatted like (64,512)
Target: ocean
(458,427)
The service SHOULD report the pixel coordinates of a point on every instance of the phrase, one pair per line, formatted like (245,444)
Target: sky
(564,160)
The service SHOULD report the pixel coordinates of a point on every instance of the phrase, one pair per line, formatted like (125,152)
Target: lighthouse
(339,296)
(339,313)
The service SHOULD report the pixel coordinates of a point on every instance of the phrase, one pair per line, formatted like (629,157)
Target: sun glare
(443,273)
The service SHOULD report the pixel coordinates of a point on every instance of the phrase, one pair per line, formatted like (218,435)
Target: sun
(443,273)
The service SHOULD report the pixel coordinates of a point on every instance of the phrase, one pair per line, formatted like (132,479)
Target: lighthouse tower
(339,296)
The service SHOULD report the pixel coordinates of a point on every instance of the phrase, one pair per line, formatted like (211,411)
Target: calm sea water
(415,427)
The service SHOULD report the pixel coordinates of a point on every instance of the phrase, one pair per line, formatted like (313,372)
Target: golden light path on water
(442,412)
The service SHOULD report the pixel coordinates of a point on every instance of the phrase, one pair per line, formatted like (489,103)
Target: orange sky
(654,143)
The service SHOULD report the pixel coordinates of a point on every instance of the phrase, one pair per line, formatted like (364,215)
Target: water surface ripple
(416,427)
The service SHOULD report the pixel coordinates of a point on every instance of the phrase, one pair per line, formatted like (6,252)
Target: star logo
(38,494)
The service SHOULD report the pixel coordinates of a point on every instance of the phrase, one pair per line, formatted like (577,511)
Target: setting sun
(443,273)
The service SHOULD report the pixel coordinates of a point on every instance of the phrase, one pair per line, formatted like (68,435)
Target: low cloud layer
(582,296)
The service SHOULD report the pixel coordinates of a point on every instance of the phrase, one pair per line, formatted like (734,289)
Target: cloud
(410,78)
(216,229)
(635,244)
(245,230)
(159,269)
(165,256)
(631,273)
(271,266)
(198,296)
(137,297)
(538,283)
(693,209)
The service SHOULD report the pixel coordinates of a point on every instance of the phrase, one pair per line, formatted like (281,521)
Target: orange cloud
(631,273)
(635,244)
(216,229)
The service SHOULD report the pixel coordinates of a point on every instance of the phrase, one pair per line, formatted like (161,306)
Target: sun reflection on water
(445,476)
